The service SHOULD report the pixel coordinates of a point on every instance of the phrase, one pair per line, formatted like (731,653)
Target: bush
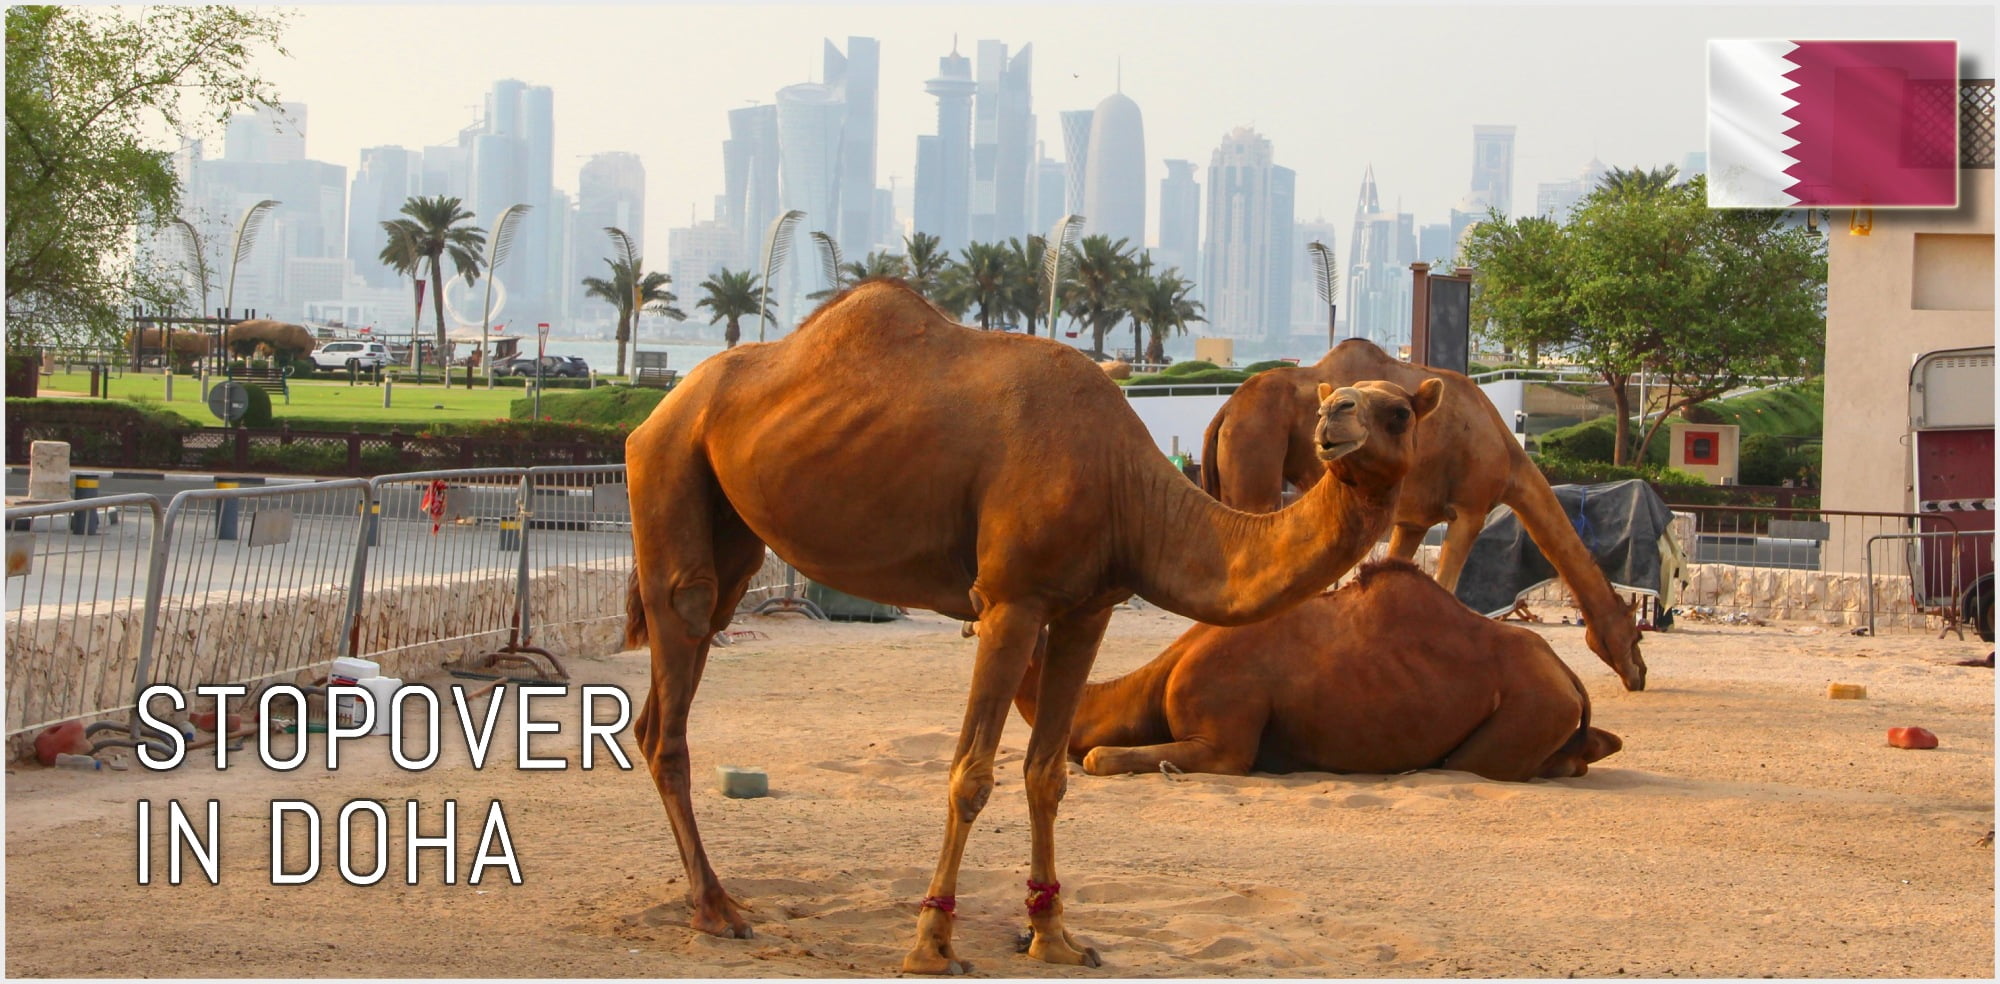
(308,458)
(1596,440)
(1191,378)
(1690,489)
(1257,367)
(258,413)
(1765,459)
(23,374)
(96,430)
(606,405)
(1190,366)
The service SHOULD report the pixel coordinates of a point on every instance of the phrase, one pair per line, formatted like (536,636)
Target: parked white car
(361,355)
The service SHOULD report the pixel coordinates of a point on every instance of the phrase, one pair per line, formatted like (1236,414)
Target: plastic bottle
(83,763)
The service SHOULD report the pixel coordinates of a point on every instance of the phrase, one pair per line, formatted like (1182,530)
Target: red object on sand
(1912,738)
(65,737)
(433,503)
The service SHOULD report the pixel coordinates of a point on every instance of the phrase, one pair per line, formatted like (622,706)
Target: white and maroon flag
(1832,124)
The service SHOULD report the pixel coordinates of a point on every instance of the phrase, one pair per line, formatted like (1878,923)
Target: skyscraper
(1180,219)
(944,164)
(1556,199)
(809,154)
(1248,262)
(854,78)
(1114,181)
(1076,152)
(1050,195)
(1003,136)
(1376,297)
(512,162)
(1493,166)
(750,177)
(610,191)
(387,177)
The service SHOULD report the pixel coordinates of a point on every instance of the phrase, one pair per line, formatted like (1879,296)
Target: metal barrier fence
(1795,562)
(251,583)
(579,536)
(443,562)
(1942,574)
(77,574)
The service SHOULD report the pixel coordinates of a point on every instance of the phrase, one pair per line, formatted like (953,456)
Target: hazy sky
(1335,87)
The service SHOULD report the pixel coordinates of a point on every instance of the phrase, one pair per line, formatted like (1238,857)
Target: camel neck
(1199,558)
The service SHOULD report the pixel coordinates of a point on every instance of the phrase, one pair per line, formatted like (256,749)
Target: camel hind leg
(1539,711)
(692,560)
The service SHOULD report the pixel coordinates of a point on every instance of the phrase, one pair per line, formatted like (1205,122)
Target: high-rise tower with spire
(944,165)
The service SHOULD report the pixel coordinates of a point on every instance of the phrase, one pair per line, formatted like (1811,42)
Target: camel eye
(1402,414)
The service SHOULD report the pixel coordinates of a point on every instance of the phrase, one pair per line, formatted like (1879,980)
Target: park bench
(650,369)
(270,380)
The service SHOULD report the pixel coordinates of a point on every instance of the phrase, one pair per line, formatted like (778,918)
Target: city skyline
(1529,67)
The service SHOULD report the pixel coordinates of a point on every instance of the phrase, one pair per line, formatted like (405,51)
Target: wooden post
(1420,313)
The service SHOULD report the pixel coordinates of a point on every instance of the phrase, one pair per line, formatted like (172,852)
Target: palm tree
(983,276)
(1161,304)
(631,290)
(402,254)
(1623,182)
(1096,293)
(435,227)
(731,295)
(924,259)
(876,265)
(1026,293)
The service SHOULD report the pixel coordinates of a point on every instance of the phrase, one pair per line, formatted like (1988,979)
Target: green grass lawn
(316,405)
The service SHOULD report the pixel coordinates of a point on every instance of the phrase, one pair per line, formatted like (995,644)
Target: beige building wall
(1921,280)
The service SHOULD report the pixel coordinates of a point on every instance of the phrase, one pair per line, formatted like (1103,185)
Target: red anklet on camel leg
(946,904)
(1042,897)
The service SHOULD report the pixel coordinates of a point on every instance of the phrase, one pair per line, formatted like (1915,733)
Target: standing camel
(888,453)
(1388,674)
(1467,463)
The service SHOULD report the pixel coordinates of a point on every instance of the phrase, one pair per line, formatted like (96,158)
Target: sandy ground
(1750,827)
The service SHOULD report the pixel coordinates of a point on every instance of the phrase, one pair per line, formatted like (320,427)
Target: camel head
(1618,645)
(1370,428)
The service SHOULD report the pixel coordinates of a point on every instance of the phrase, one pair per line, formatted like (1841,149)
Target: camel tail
(1211,469)
(635,616)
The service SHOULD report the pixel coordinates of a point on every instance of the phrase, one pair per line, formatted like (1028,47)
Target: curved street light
(496,254)
(777,242)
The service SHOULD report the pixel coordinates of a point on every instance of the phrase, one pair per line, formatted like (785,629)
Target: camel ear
(1325,391)
(1429,394)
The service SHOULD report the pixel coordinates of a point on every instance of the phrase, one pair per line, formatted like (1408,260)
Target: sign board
(1449,317)
(269,527)
(228,401)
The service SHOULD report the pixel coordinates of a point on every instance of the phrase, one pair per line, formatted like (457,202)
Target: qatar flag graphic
(1832,124)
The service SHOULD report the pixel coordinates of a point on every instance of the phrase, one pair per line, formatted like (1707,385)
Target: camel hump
(882,310)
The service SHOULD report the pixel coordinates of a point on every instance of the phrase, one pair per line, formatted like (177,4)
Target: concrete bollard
(170,384)
(84,521)
(48,471)
(388,390)
(510,534)
(227,512)
(736,782)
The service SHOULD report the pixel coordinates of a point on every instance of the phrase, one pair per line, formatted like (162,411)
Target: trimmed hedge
(1190,378)
(609,406)
(1257,367)
(1190,366)
(97,430)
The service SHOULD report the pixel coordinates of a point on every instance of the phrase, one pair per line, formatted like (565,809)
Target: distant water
(603,356)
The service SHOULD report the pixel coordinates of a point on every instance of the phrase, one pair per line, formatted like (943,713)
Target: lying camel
(1467,463)
(891,454)
(1388,674)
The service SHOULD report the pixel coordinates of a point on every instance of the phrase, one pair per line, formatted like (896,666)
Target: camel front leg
(1007,636)
(1404,541)
(1072,649)
(1193,755)
(1459,536)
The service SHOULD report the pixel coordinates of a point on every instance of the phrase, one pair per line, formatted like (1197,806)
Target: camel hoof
(935,963)
(1065,949)
(726,921)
